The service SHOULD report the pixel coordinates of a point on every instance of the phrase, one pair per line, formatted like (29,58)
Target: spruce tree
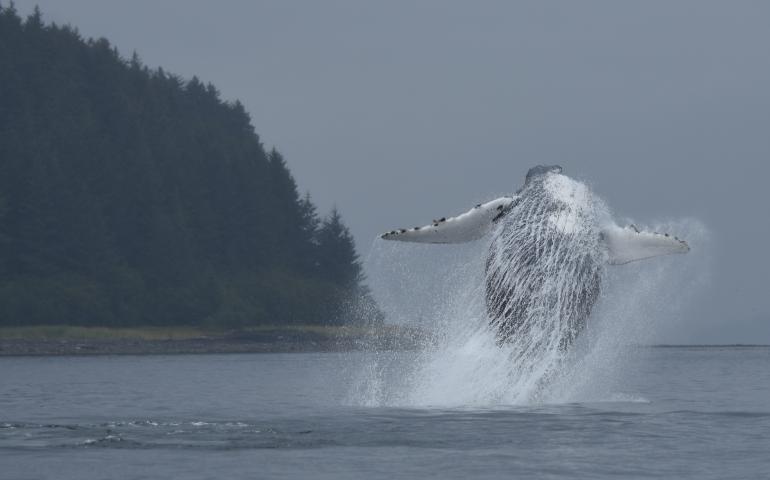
(337,253)
(129,196)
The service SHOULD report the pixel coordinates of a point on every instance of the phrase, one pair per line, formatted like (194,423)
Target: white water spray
(442,290)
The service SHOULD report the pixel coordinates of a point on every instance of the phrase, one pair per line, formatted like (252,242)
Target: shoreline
(184,340)
(26,348)
(60,341)
(206,346)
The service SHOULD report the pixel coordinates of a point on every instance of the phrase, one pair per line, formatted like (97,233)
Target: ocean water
(675,412)
(461,406)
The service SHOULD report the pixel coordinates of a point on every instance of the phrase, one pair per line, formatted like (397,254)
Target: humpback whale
(549,247)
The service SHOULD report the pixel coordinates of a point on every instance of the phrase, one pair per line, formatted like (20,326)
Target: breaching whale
(547,255)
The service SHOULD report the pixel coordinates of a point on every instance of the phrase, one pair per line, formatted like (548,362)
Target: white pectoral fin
(471,225)
(629,244)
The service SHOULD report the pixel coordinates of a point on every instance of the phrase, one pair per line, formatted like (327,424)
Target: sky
(400,112)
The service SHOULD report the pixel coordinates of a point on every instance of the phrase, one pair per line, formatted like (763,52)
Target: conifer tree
(309,226)
(337,253)
(129,196)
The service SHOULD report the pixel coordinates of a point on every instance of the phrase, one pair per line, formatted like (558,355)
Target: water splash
(441,290)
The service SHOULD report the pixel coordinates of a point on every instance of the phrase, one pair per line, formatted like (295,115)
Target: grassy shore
(68,340)
(66,332)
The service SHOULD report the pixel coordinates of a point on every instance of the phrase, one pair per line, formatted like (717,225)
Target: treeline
(129,196)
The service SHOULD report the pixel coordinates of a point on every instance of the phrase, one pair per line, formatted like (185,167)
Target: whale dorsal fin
(471,225)
(630,244)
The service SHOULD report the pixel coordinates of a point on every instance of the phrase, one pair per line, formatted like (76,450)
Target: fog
(400,112)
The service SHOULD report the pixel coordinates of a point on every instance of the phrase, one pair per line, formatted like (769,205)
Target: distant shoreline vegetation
(276,338)
(132,197)
(72,340)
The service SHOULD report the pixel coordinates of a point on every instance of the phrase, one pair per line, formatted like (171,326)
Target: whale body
(550,244)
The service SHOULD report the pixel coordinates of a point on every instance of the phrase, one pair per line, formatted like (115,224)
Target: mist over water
(440,289)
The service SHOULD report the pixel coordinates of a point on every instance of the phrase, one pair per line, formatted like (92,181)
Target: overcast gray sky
(398,112)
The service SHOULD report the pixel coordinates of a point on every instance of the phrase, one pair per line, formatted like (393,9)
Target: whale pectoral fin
(471,225)
(629,244)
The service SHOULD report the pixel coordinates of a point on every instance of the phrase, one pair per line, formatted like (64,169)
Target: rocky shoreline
(271,342)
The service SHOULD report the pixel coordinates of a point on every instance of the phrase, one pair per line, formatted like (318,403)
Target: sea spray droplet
(443,291)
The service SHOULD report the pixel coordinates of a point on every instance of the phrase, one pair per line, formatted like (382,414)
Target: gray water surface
(692,413)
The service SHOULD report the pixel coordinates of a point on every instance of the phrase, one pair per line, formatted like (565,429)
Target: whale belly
(542,280)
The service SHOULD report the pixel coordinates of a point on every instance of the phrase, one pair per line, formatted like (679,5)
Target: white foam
(440,289)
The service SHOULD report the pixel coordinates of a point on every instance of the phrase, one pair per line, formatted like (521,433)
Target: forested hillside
(130,196)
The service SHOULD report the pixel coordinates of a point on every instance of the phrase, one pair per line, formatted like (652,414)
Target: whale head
(541,170)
